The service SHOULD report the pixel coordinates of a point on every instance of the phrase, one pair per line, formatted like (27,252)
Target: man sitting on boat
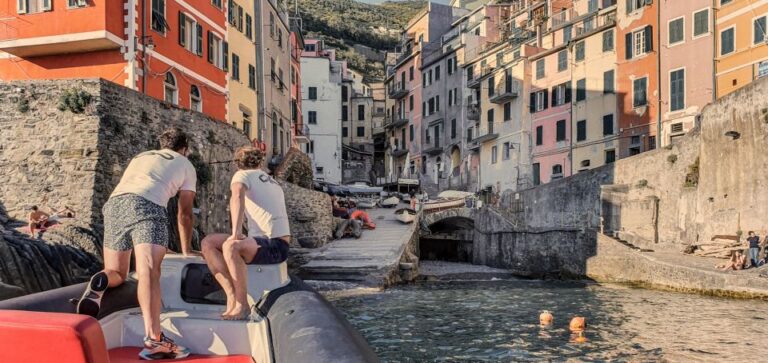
(260,198)
(135,218)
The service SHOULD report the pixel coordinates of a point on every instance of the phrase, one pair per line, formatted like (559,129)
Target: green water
(497,321)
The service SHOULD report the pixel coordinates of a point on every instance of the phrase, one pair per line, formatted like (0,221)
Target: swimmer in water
(578,337)
(578,324)
(545,318)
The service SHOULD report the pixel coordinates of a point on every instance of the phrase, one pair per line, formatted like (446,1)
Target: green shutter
(182,29)
(199,38)
(210,47)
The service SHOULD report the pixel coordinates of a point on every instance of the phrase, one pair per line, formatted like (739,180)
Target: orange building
(741,37)
(637,75)
(185,61)
(299,134)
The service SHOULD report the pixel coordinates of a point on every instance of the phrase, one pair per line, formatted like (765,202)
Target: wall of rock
(310,215)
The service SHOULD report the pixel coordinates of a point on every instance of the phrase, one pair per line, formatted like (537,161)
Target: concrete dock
(373,260)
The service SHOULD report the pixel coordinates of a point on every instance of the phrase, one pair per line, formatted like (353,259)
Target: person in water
(135,218)
(260,198)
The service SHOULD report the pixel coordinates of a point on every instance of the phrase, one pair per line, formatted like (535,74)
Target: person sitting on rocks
(338,210)
(38,221)
(349,228)
(737,262)
(260,199)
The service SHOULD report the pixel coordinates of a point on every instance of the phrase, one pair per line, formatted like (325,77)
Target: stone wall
(52,158)
(310,214)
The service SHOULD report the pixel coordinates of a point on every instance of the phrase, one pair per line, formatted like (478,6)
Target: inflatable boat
(290,322)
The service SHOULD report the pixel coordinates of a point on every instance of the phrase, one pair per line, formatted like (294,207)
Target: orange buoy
(578,323)
(545,318)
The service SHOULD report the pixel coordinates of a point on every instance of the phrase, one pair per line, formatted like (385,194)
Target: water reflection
(499,321)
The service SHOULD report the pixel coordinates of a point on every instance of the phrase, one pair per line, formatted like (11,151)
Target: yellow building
(741,44)
(242,105)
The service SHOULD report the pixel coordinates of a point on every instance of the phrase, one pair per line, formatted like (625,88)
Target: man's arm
(236,208)
(185,220)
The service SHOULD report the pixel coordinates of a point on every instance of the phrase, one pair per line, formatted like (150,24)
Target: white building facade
(321,99)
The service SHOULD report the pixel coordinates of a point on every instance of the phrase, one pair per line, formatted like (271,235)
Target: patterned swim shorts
(130,219)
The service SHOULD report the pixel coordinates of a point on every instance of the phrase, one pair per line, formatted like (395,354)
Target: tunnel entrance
(449,239)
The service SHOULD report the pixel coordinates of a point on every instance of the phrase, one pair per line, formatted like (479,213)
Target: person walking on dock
(135,218)
(259,198)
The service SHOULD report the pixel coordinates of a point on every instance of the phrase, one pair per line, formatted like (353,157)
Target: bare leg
(32,229)
(235,255)
(149,257)
(116,265)
(211,246)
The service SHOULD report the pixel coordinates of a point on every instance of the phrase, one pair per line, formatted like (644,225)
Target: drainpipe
(658,75)
(261,116)
(143,48)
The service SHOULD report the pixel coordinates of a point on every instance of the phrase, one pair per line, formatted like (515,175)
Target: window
(491,86)
(639,91)
(424,80)
(469,134)
(251,77)
(560,135)
(216,3)
(557,171)
(344,132)
(608,82)
(580,51)
(633,5)
(272,72)
(507,111)
(592,6)
(506,149)
(725,2)
(410,73)
(280,38)
(561,95)
(539,101)
(608,125)
(700,22)
(312,116)
(608,40)
(494,154)
(239,18)
(410,103)
(437,103)
(490,121)
(344,113)
(581,130)
(195,103)
(410,133)
(562,60)
(312,93)
(344,94)
(450,66)
(235,67)
(610,156)
(651,142)
(217,52)
(567,33)
(248,26)
(539,135)
(360,112)
(678,127)
(581,90)
(247,127)
(540,69)
(677,90)
(762,69)
(759,30)
(158,22)
(639,42)
(677,31)
(171,92)
(726,41)
(272,25)
(450,97)
(437,73)
(190,34)
(309,47)
(536,174)
(361,132)
(453,129)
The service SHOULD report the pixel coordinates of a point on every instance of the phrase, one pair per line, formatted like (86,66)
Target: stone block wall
(310,215)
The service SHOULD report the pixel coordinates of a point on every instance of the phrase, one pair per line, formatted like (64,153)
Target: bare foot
(240,312)
(230,307)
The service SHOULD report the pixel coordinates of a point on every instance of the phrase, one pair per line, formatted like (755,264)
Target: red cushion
(33,337)
(131,355)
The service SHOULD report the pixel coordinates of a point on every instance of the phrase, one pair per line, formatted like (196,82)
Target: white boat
(451,194)
(390,202)
(367,203)
(285,314)
(406,215)
(440,204)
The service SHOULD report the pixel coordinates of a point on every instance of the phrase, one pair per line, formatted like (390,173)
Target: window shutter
(225,56)
(628,44)
(554,96)
(46,5)
(21,6)
(199,36)
(210,48)
(648,38)
(182,29)
(629,6)
(568,92)
(533,102)
(546,100)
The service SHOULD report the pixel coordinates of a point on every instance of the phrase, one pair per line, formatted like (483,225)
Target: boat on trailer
(290,322)
(406,215)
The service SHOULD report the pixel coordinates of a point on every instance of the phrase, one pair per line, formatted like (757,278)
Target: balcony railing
(395,121)
(399,91)
(302,134)
(505,91)
(473,112)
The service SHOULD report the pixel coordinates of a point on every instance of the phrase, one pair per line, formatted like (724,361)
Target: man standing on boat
(135,218)
(260,198)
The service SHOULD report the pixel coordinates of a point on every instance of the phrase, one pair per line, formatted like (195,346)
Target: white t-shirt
(157,176)
(264,204)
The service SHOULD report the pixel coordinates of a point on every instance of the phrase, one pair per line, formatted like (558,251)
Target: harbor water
(497,321)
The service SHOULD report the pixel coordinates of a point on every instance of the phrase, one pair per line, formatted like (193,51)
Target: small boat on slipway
(406,215)
(290,322)
(441,203)
(390,202)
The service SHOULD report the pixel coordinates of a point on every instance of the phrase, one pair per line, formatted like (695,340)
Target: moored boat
(406,215)
(440,204)
(290,322)
(390,202)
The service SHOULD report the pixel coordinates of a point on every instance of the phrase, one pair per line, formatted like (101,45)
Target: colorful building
(299,131)
(741,43)
(170,50)
(637,39)
(241,83)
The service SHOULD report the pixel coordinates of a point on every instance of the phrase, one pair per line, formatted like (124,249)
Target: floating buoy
(578,324)
(545,318)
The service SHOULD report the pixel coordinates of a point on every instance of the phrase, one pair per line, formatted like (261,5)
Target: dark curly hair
(174,139)
(248,157)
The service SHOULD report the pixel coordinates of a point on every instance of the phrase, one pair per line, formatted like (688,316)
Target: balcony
(473,112)
(395,122)
(399,153)
(399,91)
(302,135)
(474,82)
(434,150)
(485,138)
(505,91)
